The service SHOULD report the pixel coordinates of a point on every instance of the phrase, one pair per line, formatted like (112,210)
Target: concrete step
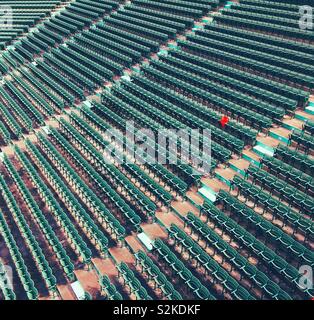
(208,194)
(266,145)
(280,134)
(304,116)
(293,124)
(310,108)
(261,150)
(239,166)
(225,175)
(251,156)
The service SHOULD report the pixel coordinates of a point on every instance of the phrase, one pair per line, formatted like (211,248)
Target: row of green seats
(87,196)
(278,29)
(121,61)
(205,6)
(73,74)
(151,34)
(10,121)
(264,10)
(280,188)
(294,51)
(280,57)
(17,111)
(102,143)
(27,105)
(265,18)
(110,289)
(150,184)
(116,176)
(105,68)
(189,174)
(150,17)
(3,67)
(130,37)
(275,42)
(274,233)
(41,103)
(170,31)
(154,273)
(242,264)
(23,52)
(275,264)
(51,35)
(10,60)
(61,18)
(53,99)
(30,240)
(208,90)
(238,91)
(16,256)
(136,107)
(157,169)
(56,28)
(211,266)
(296,72)
(130,168)
(187,21)
(181,272)
(79,214)
(107,39)
(30,47)
(74,238)
(94,176)
(220,51)
(290,174)
(295,158)
(286,4)
(80,69)
(242,132)
(304,140)
(132,282)
(276,91)
(153,112)
(42,75)
(73,7)
(287,214)
(84,45)
(52,73)
(41,220)
(5,135)
(168,110)
(174,7)
(78,17)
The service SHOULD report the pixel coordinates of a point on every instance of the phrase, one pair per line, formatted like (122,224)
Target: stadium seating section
(79,77)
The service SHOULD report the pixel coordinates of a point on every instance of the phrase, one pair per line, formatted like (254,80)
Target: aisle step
(225,175)
(293,124)
(310,108)
(195,198)
(261,150)
(208,194)
(304,116)
(280,134)
(239,166)
(252,157)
